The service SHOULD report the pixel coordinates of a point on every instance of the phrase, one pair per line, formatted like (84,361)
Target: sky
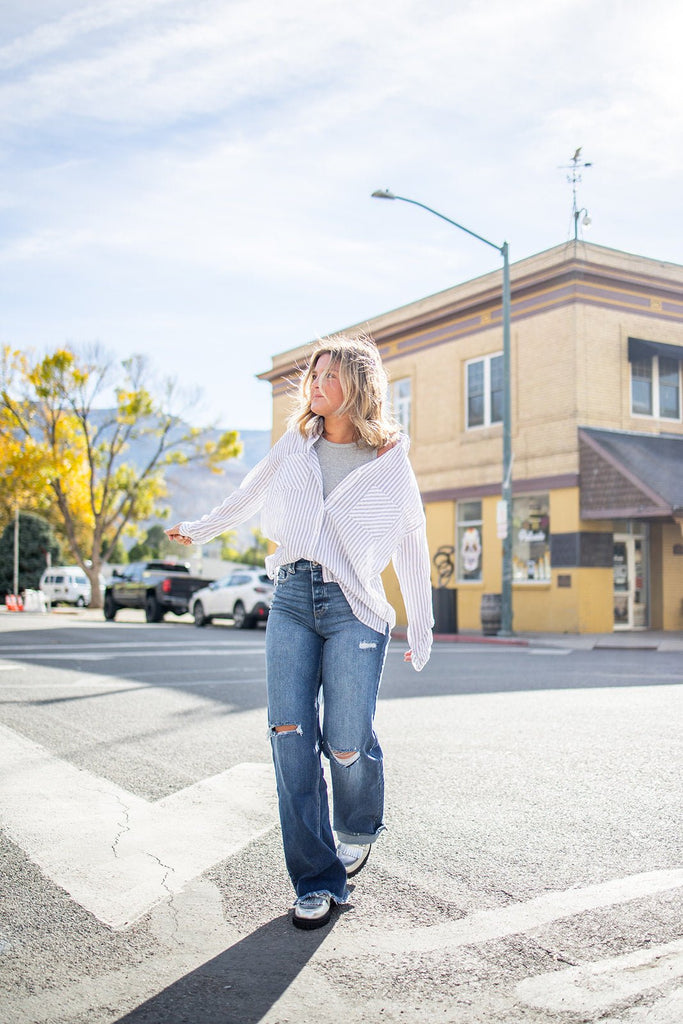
(192,179)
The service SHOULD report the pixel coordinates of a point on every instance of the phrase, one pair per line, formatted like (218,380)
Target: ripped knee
(277,730)
(345,758)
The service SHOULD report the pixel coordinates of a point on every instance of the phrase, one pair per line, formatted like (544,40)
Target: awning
(639,349)
(630,476)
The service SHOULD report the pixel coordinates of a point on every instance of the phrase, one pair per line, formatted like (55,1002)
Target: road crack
(175,916)
(124,826)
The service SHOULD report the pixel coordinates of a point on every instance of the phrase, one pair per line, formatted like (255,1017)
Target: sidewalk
(641,640)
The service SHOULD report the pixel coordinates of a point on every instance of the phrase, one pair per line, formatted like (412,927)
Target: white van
(67,583)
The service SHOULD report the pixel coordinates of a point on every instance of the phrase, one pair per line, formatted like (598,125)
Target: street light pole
(504,250)
(15,575)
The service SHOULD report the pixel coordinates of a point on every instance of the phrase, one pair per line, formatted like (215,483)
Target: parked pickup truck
(157,587)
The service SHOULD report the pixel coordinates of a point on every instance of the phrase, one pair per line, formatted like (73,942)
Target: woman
(340,500)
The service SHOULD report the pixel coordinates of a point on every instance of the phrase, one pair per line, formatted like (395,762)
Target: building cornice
(575,272)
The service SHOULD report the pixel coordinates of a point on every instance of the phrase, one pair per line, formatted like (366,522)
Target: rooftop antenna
(574,178)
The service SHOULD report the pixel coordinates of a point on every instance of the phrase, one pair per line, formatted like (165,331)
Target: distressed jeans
(316,647)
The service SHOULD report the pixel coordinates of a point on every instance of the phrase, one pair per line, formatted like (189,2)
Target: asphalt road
(532,871)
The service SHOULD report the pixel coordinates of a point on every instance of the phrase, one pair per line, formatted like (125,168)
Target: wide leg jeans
(324,668)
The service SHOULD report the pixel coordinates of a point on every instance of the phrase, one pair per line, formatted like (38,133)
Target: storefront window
(531,539)
(469,540)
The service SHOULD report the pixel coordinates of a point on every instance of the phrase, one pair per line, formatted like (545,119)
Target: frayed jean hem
(359,838)
(339,900)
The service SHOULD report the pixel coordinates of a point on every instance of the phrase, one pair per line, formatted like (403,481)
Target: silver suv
(245,596)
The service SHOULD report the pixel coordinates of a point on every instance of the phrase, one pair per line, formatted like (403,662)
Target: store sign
(531,536)
(502,519)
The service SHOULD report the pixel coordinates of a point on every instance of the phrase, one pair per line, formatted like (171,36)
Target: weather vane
(574,178)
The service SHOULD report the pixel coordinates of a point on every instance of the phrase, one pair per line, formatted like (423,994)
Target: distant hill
(194,490)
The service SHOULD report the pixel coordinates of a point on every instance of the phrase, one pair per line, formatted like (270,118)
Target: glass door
(629,568)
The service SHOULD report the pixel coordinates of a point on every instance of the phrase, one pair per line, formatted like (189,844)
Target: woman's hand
(408,656)
(173,534)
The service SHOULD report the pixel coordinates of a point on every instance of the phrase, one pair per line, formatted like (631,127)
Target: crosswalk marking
(486,925)
(115,853)
(592,987)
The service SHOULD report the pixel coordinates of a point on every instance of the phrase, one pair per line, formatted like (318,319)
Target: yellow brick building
(597,436)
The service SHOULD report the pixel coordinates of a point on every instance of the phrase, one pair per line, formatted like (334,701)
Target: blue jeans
(316,646)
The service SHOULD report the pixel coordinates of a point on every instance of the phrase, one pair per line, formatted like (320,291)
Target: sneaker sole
(308,923)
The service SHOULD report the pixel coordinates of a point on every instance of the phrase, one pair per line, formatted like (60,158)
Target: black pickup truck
(157,587)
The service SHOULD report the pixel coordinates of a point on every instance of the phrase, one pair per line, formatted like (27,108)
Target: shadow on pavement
(238,986)
(227,667)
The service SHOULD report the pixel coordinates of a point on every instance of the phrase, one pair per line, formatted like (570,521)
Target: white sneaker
(352,857)
(312,911)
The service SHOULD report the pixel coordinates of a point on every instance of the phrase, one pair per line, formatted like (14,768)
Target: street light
(506,589)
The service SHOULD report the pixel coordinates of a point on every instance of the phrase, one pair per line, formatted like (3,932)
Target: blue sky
(192,179)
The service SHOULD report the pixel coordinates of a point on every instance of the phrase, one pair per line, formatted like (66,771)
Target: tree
(256,554)
(36,542)
(77,452)
(253,555)
(229,552)
(154,545)
(117,554)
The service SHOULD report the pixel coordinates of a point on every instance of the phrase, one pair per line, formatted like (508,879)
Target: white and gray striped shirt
(373,516)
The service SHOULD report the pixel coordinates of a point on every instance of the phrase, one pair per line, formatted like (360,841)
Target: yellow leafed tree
(66,456)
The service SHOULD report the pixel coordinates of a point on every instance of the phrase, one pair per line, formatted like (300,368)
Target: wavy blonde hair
(363,382)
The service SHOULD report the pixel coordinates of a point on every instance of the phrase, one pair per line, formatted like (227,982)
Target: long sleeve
(411,561)
(238,506)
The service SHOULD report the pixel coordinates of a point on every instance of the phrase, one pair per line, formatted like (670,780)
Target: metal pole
(15,581)
(506,495)
(506,589)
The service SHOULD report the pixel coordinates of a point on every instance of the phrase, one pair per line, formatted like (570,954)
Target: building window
(401,392)
(469,540)
(484,399)
(656,387)
(531,539)
(669,388)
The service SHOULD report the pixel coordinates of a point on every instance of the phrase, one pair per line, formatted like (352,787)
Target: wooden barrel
(490,614)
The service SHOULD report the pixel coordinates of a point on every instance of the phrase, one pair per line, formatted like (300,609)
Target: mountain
(194,490)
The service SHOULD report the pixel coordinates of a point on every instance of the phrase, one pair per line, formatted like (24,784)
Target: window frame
(655,389)
(486,361)
(541,560)
(461,525)
(399,403)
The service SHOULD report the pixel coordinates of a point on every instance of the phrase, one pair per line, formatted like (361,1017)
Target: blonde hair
(363,382)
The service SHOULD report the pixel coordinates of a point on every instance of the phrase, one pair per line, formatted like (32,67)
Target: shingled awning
(630,476)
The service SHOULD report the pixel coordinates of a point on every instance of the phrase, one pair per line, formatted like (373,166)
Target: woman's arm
(238,506)
(411,561)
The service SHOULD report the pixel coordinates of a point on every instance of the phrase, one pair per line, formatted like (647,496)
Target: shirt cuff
(421,649)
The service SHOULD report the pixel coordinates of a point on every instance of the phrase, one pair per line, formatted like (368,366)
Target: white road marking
(121,645)
(107,682)
(549,651)
(485,925)
(597,986)
(118,655)
(113,852)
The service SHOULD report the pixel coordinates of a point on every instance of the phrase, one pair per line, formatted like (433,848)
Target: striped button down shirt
(372,517)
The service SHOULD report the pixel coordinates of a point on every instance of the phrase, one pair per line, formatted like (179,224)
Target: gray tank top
(338,460)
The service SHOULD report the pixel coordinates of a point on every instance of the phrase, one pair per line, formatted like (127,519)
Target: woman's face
(327,395)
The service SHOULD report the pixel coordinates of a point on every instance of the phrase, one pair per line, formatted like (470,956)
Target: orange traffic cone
(10,602)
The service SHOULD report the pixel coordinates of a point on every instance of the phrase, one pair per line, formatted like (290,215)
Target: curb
(459,638)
